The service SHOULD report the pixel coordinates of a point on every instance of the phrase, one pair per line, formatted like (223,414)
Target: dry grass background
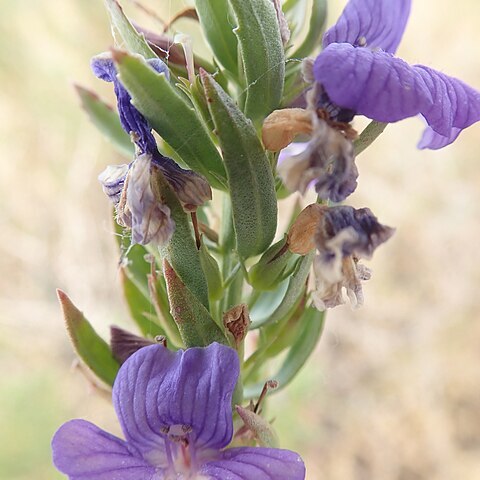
(392,392)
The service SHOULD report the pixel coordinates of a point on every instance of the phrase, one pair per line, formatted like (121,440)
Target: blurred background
(393,390)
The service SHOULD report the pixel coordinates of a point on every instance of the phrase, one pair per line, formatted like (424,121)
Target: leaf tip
(118,55)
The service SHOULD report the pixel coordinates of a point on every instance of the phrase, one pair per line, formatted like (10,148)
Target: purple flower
(359,74)
(192,189)
(176,415)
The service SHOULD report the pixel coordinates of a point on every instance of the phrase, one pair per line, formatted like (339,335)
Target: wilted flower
(358,72)
(191,188)
(176,415)
(342,236)
(328,159)
(327,162)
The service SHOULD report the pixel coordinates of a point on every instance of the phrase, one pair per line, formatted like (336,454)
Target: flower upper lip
(366,78)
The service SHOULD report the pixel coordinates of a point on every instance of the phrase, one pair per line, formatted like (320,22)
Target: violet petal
(387,89)
(131,119)
(255,463)
(156,388)
(113,180)
(371,23)
(83,451)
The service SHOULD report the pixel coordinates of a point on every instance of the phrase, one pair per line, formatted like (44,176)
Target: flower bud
(276,264)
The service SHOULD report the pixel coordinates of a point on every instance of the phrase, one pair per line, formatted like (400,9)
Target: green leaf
(130,39)
(313,39)
(372,131)
(90,347)
(196,325)
(214,16)
(212,273)
(262,54)
(181,251)
(159,299)
(171,116)
(106,120)
(266,303)
(305,343)
(252,187)
(144,291)
(295,289)
(139,305)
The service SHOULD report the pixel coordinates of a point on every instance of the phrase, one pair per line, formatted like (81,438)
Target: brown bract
(237,321)
(282,126)
(301,236)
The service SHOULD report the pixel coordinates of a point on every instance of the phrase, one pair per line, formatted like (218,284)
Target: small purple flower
(359,74)
(192,189)
(176,415)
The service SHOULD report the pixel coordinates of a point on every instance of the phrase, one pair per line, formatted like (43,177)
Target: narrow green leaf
(295,289)
(159,299)
(212,273)
(106,120)
(139,306)
(372,131)
(262,54)
(181,251)
(215,18)
(171,116)
(298,354)
(130,39)
(266,303)
(196,325)
(316,27)
(90,347)
(252,187)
